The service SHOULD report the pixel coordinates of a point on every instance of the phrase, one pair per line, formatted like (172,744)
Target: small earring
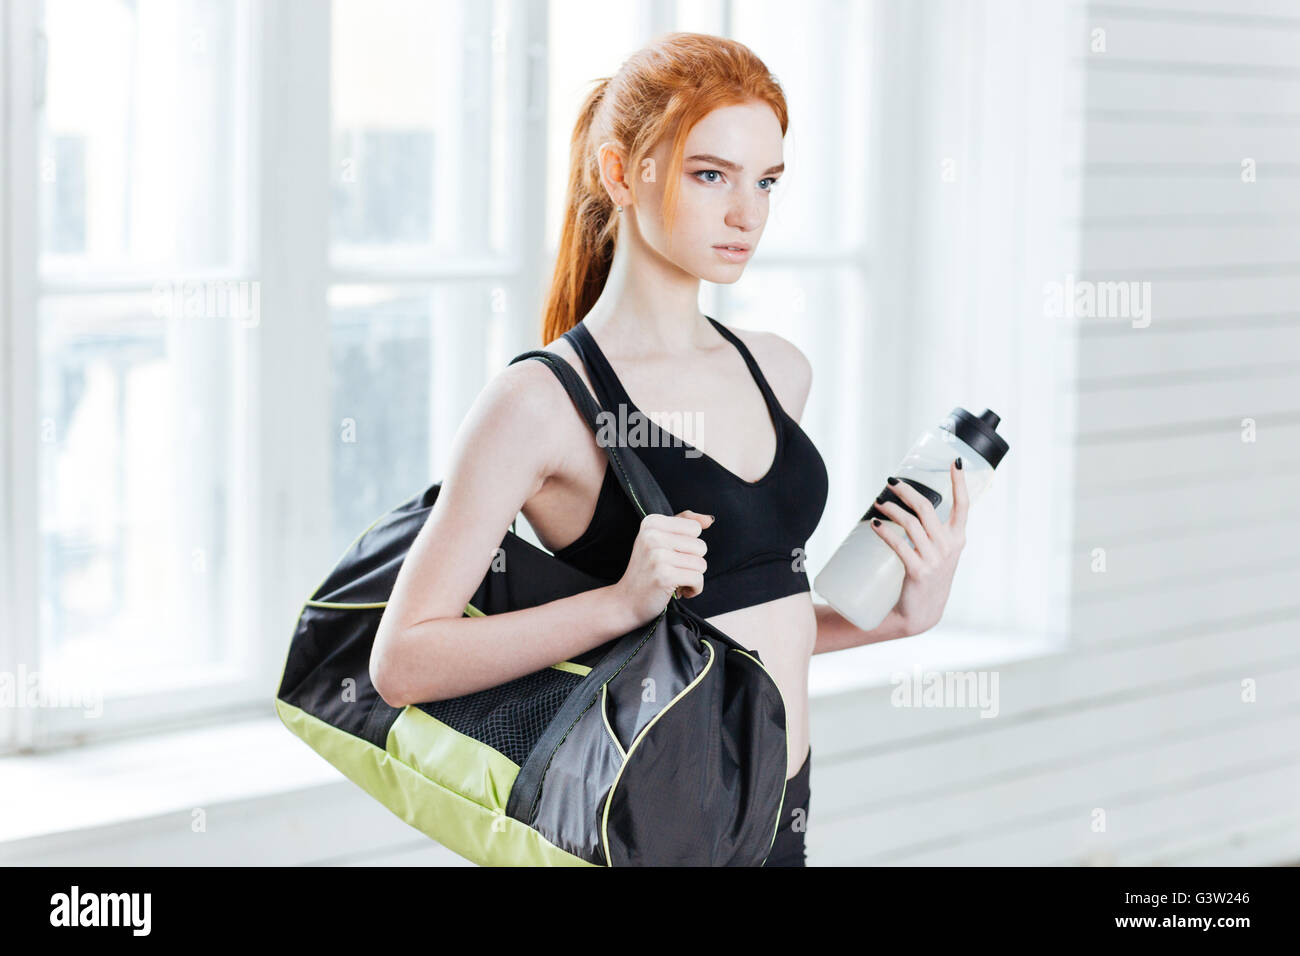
(620,208)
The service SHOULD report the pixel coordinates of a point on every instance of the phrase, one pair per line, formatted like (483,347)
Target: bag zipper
(541,779)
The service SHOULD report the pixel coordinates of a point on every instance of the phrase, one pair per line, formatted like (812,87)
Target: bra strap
(759,378)
(609,390)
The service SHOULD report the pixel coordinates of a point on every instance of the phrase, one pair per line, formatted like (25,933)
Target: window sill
(67,792)
(884,663)
(120,781)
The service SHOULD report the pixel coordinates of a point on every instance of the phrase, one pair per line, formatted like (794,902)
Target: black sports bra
(755,545)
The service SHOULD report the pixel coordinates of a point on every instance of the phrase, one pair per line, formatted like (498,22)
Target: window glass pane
(379,406)
(136,170)
(405,366)
(820,58)
(416,94)
(136,468)
(700,16)
(586,43)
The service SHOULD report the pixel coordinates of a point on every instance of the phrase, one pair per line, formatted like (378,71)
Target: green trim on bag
(785,787)
(609,798)
(582,670)
(460,763)
(472,824)
(604,716)
(346,607)
(470,609)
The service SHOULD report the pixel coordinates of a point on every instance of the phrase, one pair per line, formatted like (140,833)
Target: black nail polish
(880,499)
(876,522)
(892,480)
(959,461)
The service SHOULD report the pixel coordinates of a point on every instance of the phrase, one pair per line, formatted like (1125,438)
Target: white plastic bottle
(864,577)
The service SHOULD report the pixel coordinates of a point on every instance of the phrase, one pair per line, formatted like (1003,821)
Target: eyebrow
(733,167)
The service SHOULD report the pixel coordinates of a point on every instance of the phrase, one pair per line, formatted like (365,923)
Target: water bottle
(864,577)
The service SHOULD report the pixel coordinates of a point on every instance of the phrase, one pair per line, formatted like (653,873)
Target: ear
(612,161)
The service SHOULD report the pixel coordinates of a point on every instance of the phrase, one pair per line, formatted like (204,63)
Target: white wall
(1134,745)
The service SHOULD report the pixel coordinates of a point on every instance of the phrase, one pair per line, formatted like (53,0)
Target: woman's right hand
(668,553)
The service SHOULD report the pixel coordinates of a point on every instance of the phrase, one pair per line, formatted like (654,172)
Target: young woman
(673,164)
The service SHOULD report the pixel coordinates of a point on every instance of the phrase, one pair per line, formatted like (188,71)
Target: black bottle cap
(980,433)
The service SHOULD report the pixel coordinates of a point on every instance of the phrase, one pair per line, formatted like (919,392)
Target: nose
(746,212)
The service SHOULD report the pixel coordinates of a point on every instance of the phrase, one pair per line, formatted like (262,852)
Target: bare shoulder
(534,384)
(784,366)
(530,397)
(526,405)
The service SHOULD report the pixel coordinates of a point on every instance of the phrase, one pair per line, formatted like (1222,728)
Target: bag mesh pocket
(510,717)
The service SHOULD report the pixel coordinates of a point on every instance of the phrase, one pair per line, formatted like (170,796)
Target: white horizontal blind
(1136,744)
(1191,181)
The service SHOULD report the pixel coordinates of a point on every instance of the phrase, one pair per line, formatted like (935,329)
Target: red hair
(662,90)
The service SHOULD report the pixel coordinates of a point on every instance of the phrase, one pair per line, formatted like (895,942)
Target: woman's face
(730,165)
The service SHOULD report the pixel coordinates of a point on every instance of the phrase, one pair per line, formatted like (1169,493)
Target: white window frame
(33,728)
(281,545)
(17,263)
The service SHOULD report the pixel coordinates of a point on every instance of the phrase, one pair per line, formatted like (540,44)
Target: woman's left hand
(930,567)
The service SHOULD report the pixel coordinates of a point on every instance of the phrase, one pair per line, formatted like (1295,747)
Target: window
(261,258)
(280,249)
(136,344)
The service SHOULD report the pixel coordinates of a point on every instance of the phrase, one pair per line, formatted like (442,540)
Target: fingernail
(958,461)
(880,499)
(876,522)
(893,480)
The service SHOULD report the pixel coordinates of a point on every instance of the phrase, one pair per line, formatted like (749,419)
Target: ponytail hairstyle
(662,90)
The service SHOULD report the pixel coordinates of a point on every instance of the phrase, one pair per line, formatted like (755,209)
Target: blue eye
(706,172)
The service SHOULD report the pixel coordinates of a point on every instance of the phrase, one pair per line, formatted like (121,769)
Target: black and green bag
(665,746)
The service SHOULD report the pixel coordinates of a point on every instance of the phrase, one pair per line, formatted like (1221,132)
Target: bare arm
(837,633)
(511,439)
(516,435)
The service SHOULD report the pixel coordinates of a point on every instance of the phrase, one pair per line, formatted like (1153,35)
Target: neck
(648,305)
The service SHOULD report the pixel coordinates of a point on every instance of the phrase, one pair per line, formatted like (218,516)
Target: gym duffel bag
(665,746)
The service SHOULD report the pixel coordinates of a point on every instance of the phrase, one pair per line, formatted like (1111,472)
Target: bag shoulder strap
(633,476)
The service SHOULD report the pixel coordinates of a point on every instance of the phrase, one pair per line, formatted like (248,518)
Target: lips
(734,246)
(738,252)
